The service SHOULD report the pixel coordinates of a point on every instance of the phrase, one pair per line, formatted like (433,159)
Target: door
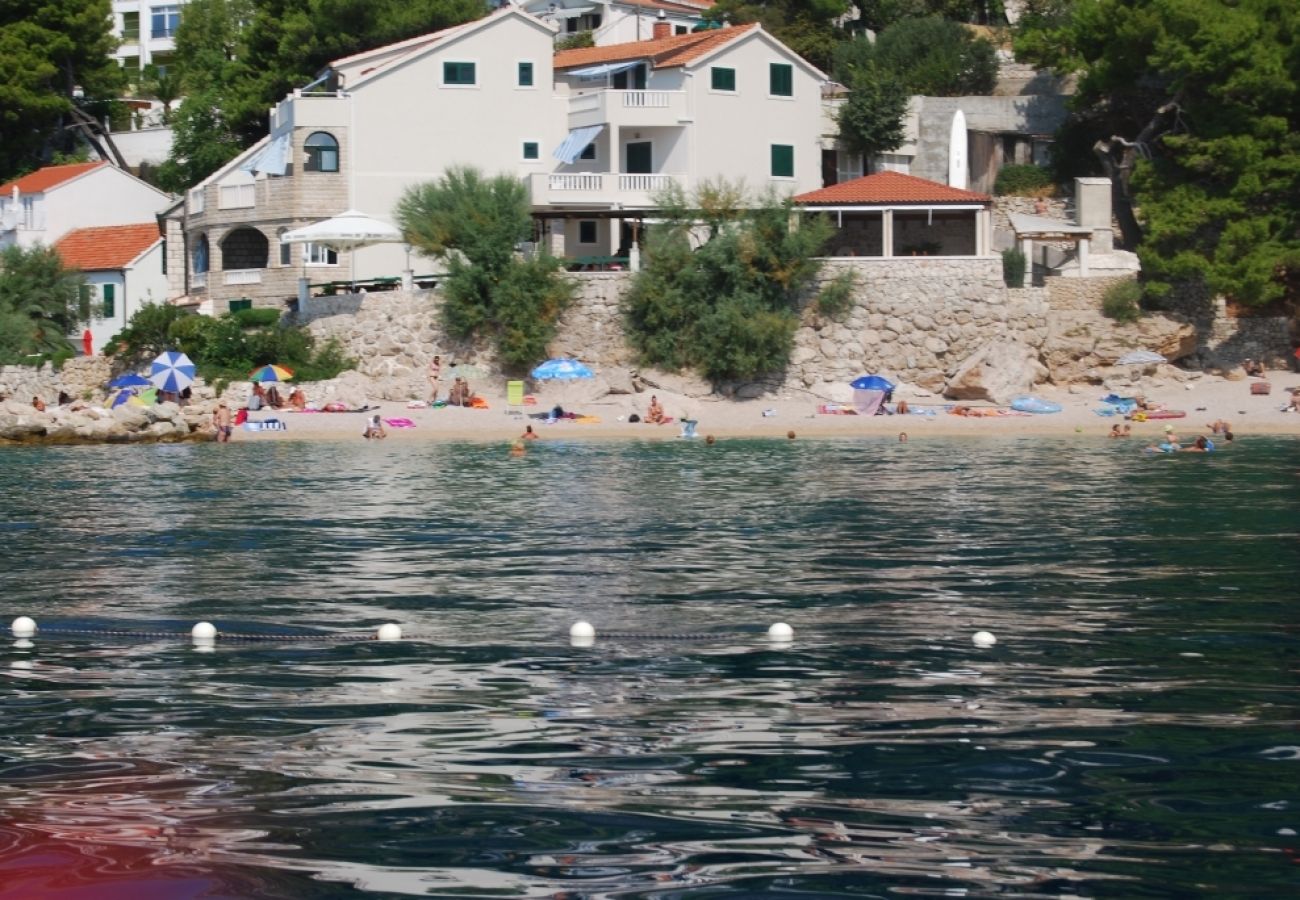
(621,81)
(638,158)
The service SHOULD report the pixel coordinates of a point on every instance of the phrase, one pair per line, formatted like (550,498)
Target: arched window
(322,152)
(244,248)
(201,254)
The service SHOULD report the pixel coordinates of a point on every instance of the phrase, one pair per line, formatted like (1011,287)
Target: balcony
(242,276)
(601,188)
(641,109)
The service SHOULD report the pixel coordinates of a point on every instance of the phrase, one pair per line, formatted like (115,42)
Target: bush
(1021,180)
(1013,267)
(836,296)
(256,318)
(1122,301)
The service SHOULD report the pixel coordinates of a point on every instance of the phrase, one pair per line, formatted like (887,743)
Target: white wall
(409,127)
(734,132)
(103,196)
(142,283)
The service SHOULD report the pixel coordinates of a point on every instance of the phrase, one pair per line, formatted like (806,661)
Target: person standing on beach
(435,375)
(221,420)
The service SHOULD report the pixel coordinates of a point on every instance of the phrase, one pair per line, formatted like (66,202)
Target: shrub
(1122,301)
(1013,267)
(255,318)
(1021,179)
(836,296)
(576,41)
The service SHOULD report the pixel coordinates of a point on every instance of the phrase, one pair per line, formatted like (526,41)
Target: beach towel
(834,409)
(399,423)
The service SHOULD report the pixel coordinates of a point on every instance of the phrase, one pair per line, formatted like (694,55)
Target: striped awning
(577,141)
(604,69)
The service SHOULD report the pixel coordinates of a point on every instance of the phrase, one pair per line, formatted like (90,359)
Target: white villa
(146,32)
(616,21)
(122,270)
(595,133)
(43,206)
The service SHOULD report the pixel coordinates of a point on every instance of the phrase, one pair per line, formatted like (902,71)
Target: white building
(43,206)
(595,134)
(122,267)
(616,21)
(146,32)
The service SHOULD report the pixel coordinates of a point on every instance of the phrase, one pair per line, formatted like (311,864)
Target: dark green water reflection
(1132,734)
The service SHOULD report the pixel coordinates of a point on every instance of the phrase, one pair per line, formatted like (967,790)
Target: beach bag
(634,418)
(1261,387)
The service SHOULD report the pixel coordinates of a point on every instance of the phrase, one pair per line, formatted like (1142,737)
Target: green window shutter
(458,73)
(237,305)
(531,150)
(110,300)
(525,74)
(724,79)
(83,302)
(781,80)
(782,161)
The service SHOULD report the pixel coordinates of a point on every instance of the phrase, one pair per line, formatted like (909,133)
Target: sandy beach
(1204,400)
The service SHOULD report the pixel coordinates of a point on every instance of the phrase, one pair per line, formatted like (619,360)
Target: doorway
(639,159)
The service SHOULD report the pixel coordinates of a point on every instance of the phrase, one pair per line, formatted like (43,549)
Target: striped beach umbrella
(171,371)
(270,372)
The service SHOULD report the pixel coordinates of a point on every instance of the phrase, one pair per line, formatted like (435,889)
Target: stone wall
(83,377)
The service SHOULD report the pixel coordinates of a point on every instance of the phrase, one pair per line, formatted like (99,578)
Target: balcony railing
(243,276)
(601,187)
(646,183)
(577,181)
(647,109)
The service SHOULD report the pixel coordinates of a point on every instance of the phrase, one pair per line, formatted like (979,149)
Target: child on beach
(375,429)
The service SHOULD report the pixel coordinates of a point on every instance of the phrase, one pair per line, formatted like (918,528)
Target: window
(131,65)
(782,161)
(319,255)
(532,150)
(244,248)
(322,152)
(201,254)
(163,21)
(525,74)
(236,196)
(109,293)
(681,29)
(243,303)
(723,79)
(130,27)
(587,231)
(588,152)
(459,73)
(781,80)
(197,201)
(286,250)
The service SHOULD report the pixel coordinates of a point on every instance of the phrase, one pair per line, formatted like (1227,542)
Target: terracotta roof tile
(106,247)
(677,50)
(890,187)
(50,176)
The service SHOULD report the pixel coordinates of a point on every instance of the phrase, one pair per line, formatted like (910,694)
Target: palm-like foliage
(38,303)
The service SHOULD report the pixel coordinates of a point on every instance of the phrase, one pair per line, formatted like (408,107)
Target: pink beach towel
(399,423)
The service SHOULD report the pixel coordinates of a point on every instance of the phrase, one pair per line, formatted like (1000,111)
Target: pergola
(890,214)
(1042,228)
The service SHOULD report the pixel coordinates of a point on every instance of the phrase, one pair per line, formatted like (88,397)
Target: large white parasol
(346,231)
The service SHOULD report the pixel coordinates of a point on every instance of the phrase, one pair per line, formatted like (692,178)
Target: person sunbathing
(655,414)
(273,398)
(297,399)
(1218,426)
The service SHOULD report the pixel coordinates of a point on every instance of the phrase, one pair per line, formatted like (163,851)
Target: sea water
(1131,734)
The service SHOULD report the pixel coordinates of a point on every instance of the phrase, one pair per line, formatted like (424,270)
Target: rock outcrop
(997,372)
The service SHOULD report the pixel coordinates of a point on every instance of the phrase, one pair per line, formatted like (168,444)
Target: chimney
(662,28)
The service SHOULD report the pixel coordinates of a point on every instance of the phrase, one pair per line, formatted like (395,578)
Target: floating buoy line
(205,635)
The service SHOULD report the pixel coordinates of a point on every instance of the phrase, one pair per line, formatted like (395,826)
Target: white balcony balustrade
(628,109)
(242,276)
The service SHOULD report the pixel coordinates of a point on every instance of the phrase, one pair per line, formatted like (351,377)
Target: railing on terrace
(647,99)
(648,183)
(243,276)
(576,181)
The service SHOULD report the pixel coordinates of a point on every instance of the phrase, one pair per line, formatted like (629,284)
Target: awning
(604,69)
(272,159)
(571,13)
(575,143)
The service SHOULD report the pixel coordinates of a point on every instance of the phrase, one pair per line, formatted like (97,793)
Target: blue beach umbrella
(171,371)
(131,380)
(872,383)
(562,370)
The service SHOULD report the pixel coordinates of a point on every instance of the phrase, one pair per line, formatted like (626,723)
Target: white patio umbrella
(346,231)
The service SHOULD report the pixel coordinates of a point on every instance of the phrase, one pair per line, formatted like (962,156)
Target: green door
(638,158)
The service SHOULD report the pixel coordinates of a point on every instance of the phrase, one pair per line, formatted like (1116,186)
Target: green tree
(163,85)
(729,307)
(871,118)
(1192,108)
(474,223)
(808,27)
(938,58)
(39,305)
(53,55)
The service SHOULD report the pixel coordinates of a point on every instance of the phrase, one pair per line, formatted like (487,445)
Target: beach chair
(514,398)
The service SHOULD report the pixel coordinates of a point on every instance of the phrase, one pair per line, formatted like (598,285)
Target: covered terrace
(889,214)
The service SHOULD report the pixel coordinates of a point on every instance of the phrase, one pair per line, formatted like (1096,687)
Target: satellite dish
(958,170)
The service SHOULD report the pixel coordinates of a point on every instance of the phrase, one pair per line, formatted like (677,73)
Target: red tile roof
(889,187)
(677,50)
(48,177)
(106,247)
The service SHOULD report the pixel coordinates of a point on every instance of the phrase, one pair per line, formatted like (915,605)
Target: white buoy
(389,631)
(24,627)
(983,639)
(781,633)
(204,631)
(582,631)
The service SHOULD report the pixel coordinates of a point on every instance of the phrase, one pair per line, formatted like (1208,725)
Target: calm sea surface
(1132,734)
